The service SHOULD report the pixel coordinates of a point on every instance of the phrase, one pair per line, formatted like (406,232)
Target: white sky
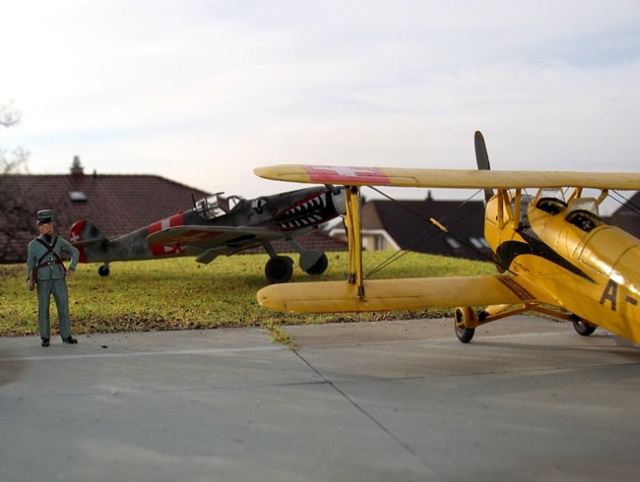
(202,92)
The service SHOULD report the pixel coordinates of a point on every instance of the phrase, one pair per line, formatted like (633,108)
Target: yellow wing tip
(282,172)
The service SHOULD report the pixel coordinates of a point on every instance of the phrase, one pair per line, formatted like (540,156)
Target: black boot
(71,340)
(44,342)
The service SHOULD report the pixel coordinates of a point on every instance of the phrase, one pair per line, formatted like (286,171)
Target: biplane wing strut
(555,255)
(376,295)
(354,237)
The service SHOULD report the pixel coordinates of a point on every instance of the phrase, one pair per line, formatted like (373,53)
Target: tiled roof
(465,221)
(116,204)
(626,217)
(407,222)
(631,206)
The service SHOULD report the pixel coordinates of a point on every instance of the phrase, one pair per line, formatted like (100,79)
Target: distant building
(405,225)
(115,203)
(627,217)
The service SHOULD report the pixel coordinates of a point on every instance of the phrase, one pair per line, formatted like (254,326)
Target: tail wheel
(583,328)
(103,270)
(279,269)
(319,266)
(463,317)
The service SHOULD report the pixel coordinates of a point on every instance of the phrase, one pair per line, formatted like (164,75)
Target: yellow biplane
(553,252)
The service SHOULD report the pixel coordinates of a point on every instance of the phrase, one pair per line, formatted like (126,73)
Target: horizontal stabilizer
(394,294)
(84,233)
(448,178)
(89,240)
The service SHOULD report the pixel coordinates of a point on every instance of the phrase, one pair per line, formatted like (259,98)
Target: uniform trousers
(57,288)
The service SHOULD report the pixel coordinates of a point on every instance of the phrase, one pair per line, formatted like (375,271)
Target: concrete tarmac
(527,399)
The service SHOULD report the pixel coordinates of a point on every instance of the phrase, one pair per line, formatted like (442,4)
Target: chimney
(76,168)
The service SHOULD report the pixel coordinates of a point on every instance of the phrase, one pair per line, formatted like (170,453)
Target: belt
(49,263)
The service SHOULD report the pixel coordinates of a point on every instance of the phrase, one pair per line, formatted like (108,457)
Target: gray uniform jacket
(50,267)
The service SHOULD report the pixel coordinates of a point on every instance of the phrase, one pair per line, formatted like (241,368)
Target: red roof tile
(116,204)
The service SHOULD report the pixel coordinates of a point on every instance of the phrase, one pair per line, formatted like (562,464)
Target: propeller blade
(482,160)
(482,157)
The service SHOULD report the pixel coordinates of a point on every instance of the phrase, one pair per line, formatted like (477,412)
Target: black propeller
(482,160)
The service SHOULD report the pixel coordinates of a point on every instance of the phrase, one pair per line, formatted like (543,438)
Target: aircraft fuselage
(571,259)
(220,225)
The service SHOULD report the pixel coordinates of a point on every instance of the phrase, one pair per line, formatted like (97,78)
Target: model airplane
(554,253)
(223,225)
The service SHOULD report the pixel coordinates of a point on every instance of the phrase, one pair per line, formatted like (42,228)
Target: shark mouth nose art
(309,212)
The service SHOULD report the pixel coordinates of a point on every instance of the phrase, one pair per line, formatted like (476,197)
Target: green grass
(180,294)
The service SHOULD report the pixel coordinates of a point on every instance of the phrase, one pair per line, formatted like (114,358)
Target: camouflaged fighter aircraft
(554,252)
(223,225)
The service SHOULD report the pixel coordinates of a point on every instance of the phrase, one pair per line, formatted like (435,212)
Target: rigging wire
(624,202)
(419,240)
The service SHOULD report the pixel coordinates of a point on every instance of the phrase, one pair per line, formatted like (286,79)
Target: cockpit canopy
(583,213)
(589,204)
(550,200)
(217,205)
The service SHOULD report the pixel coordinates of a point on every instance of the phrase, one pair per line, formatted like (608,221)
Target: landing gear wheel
(279,269)
(583,328)
(103,270)
(463,333)
(320,266)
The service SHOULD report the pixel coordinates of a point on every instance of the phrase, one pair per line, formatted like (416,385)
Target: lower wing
(394,294)
(205,237)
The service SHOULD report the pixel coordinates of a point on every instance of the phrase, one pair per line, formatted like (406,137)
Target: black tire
(320,266)
(279,269)
(464,334)
(103,270)
(583,328)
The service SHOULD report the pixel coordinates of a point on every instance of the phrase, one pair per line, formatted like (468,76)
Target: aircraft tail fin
(87,238)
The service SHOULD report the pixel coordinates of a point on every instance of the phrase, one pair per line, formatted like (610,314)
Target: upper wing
(447,178)
(394,294)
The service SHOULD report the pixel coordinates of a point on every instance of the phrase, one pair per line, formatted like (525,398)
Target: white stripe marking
(144,353)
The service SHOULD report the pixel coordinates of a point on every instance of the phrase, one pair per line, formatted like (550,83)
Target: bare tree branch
(14,214)
(10,117)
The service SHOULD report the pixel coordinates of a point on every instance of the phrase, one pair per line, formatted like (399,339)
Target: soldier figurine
(44,256)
